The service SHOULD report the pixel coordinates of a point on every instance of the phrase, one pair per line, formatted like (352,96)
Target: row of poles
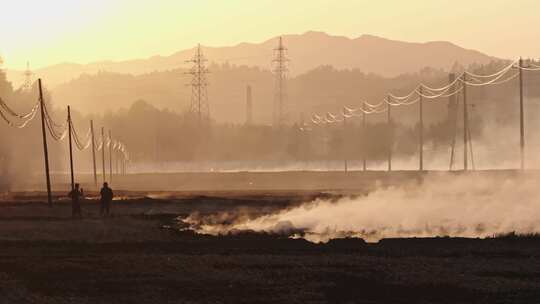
(121,170)
(466,131)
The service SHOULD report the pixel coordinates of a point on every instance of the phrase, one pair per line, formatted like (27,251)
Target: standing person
(76,194)
(106,199)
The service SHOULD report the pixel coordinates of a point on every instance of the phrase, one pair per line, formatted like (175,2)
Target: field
(144,254)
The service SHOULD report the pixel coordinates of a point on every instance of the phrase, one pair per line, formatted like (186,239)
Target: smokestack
(249,106)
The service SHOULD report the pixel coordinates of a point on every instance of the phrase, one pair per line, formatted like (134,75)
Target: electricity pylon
(280,92)
(27,84)
(199,95)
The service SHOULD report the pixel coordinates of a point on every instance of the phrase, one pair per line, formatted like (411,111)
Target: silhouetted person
(106,199)
(76,195)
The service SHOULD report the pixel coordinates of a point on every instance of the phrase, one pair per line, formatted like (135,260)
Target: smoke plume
(476,205)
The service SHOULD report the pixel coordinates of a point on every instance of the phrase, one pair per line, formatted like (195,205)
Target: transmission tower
(27,77)
(199,95)
(3,77)
(280,74)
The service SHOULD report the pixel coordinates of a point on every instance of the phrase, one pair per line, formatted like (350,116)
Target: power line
(456,86)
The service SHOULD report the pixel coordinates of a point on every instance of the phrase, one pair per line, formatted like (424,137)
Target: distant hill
(307,51)
(322,89)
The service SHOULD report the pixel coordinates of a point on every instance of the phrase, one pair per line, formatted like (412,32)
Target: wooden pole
(421,130)
(70,150)
(364,137)
(93,152)
(103,173)
(45,148)
(123,164)
(465,124)
(521,116)
(390,142)
(345,161)
(452,117)
(471,149)
(110,157)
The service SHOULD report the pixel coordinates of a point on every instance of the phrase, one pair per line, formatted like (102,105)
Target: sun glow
(29,27)
(81,31)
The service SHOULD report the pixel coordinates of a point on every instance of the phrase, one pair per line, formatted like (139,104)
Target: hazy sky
(53,31)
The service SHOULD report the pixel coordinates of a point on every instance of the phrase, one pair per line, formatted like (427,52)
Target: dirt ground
(138,256)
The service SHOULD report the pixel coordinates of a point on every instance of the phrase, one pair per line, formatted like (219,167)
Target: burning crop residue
(443,205)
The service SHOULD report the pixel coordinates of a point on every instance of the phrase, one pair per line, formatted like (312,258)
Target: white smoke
(443,205)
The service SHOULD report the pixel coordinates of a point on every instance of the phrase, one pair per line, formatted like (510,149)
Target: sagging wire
(76,137)
(10,111)
(446,91)
(21,125)
(52,125)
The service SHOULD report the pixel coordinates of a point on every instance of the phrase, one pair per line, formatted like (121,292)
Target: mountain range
(306,51)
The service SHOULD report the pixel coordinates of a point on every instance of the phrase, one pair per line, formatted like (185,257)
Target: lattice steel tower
(3,76)
(280,70)
(199,95)
(27,84)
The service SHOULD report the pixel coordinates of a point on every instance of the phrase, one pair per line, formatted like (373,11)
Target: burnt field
(145,254)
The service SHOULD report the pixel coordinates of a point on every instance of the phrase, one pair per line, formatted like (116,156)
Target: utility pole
(421,129)
(389,123)
(280,73)
(364,137)
(345,158)
(521,116)
(116,161)
(465,123)
(110,157)
(103,173)
(453,103)
(123,164)
(199,94)
(45,149)
(471,149)
(126,160)
(70,149)
(93,152)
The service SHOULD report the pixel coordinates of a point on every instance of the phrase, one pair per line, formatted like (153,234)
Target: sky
(82,31)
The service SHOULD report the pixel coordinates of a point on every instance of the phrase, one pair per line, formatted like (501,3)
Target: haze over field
(339,55)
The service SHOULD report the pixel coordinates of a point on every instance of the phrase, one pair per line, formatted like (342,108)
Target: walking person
(106,199)
(76,195)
